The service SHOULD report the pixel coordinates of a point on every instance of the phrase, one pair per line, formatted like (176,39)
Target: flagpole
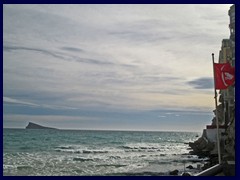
(215,91)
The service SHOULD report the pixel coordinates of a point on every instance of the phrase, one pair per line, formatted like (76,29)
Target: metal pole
(215,91)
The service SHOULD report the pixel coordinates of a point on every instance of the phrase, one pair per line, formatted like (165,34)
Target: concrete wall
(211,134)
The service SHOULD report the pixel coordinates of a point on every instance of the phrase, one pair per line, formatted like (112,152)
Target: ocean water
(29,152)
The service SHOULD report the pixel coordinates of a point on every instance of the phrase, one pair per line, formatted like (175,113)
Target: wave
(94,151)
(140,148)
(82,159)
(24,167)
(114,157)
(80,151)
(154,148)
(111,165)
(64,147)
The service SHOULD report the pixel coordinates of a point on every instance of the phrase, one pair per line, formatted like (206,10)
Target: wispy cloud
(12,101)
(15,101)
(59,55)
(19,48)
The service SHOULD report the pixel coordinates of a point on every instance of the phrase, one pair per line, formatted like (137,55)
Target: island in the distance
(36,126)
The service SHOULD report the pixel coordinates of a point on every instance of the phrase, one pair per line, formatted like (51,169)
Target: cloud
(110,57)
(202,83)
(19,48)
(72,49)
(59,55)
(15,101)
(12,101)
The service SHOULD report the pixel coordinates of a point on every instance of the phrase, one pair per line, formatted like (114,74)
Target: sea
(50,152)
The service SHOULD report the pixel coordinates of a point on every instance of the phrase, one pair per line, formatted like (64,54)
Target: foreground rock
(186,174)
(190,167)
(36,126)
(202,147)
(174,173)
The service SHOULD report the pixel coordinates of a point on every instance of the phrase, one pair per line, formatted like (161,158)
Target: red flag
(224,75)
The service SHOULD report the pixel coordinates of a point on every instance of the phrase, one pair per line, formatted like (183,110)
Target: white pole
(215,91)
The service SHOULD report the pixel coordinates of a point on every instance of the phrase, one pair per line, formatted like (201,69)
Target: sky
(111,67)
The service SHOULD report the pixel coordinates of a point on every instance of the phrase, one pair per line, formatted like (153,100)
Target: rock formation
(203,147)
(36,126)
(174,173)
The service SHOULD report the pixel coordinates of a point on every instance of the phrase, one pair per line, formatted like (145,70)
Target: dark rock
(206,166)
(190,167)
(202,147)
(209,147)
(175,172)
(36,126)
(186,174)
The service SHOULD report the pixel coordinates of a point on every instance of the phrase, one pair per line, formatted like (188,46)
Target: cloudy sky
(126,67)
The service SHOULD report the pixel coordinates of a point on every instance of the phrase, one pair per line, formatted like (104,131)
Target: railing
(212,171)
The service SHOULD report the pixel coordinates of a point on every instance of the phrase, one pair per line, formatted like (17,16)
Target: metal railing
(212,171)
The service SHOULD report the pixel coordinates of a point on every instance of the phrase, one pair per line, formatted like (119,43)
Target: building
(227,96)
(227,54)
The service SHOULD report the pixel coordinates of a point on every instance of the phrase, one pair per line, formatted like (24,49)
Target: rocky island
(36,126)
